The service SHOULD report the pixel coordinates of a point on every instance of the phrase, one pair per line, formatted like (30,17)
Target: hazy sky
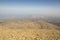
(17,7)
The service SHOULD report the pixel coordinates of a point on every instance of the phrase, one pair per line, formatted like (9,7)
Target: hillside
(28,30)
(12,34)
(27,25)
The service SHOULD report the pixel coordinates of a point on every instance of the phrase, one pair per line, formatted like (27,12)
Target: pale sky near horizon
(42,7)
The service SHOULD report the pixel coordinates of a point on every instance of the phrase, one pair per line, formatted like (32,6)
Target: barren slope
(27,25)
(28,30)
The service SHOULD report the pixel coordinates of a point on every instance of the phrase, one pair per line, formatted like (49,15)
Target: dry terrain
(28,30)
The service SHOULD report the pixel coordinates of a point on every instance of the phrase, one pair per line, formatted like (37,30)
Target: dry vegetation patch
(12,34)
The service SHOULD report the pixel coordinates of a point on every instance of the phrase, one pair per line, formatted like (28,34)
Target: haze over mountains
(32,21)
(3,15)
(35,17)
